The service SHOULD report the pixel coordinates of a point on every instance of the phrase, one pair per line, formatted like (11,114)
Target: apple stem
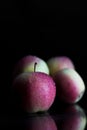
(35,66)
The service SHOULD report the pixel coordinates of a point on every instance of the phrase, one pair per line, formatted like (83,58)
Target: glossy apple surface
(26,64)
(37,91)
(60,62)
(70,85)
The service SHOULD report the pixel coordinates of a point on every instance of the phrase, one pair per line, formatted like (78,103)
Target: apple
(70,85)
(59,62)
(26,64)
(74,118)
(40,122)
(36,90)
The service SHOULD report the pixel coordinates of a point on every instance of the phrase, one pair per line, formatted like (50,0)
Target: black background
(41,28)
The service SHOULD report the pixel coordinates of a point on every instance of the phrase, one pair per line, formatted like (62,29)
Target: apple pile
(37,82)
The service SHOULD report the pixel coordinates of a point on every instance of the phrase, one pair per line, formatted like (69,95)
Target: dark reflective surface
(72,117)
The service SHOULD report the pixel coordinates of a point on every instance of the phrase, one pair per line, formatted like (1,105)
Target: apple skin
(70,85)
(36,90)
(74,119)
(41,122)
(26,64)
(59,62)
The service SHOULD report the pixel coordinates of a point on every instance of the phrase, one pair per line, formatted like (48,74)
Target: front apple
(36,89)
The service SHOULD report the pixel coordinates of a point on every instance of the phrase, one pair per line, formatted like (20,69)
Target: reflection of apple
(41,122)
(74,119)
(70,86)
(26,64)
(60,62)
(36,89)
